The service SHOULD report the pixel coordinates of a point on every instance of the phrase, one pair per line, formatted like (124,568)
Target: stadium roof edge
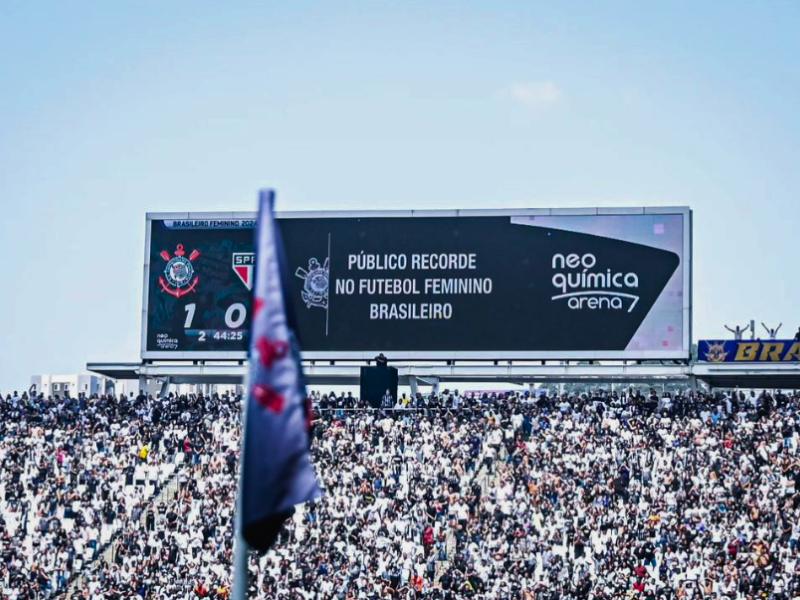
(128,370)
(763,375)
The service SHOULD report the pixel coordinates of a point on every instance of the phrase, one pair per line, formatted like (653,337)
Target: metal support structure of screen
(471,284)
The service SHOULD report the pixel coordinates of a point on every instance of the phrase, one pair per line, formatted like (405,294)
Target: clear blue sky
(111,109)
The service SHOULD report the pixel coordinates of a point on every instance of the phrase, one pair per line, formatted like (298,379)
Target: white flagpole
(240,549)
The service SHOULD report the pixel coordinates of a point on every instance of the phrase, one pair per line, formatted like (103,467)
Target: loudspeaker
(374,383)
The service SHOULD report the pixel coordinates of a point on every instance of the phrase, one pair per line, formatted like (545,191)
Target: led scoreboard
(531,283)
(198,282)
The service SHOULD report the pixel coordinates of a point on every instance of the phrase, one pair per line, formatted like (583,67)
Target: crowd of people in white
(519,496)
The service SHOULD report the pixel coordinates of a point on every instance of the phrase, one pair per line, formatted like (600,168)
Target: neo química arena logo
(585,286)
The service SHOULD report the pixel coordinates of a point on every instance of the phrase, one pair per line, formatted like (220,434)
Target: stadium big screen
(537,284)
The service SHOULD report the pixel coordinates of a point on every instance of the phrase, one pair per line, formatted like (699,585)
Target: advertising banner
(748,351)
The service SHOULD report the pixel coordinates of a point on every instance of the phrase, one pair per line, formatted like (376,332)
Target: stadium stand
(452,496)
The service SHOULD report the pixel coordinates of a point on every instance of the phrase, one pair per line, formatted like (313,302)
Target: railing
(437,409)
(164,491)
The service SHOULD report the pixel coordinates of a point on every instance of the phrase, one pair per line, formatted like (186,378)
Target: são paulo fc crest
(315,283)
(179,277)
(242,264)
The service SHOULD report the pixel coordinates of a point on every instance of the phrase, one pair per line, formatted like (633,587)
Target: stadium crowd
(520,496)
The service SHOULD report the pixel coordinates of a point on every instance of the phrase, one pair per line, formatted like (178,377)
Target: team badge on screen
(315,283)
(179,276)
(242,264)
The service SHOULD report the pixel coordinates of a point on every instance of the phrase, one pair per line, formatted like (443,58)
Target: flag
(276,468)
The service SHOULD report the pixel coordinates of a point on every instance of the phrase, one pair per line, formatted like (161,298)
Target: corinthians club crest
(315,283)
(179,277)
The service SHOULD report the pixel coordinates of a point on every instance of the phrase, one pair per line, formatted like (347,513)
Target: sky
(112,109)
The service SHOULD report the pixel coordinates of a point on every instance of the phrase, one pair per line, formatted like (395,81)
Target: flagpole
(240,549)
(262,502)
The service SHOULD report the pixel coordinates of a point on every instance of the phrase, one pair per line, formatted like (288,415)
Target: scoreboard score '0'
(530,283)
